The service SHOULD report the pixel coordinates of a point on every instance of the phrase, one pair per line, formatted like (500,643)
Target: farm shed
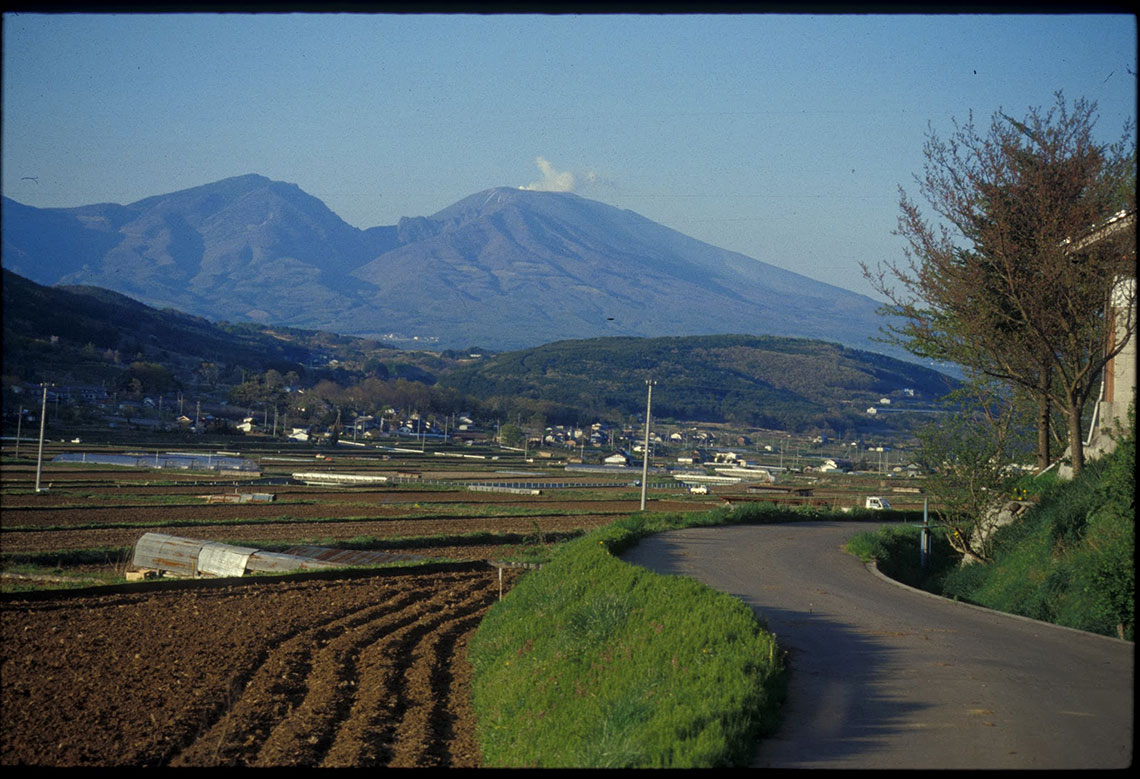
(195,558)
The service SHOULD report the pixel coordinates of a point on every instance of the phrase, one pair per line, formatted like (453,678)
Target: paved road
(887,677)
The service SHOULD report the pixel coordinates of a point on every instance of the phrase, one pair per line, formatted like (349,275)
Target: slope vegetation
(760,381)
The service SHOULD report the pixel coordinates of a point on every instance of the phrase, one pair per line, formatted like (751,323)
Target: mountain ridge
(506,268)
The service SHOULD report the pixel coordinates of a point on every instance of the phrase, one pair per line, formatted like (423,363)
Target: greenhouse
(174,460)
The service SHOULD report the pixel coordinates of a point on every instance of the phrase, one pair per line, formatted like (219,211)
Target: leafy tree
(262,391)
(273,381)
(511,435)
(152,377)
(1014,281)
(210,372)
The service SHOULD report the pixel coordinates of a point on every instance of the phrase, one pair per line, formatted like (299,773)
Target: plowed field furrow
(273,688)
(291,662)
(201,677)
(46,516)
(305,736)
(172,515)
(384,725)
(28,541)
(98,495)
(437,747)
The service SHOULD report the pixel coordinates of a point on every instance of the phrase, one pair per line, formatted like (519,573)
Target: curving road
(884,676)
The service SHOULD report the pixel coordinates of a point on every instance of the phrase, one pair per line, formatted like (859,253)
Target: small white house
(616,459)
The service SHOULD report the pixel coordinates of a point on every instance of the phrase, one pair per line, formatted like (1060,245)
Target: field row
(350,672)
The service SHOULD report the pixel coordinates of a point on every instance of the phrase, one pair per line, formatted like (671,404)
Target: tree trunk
(1044,411)
(1076,443)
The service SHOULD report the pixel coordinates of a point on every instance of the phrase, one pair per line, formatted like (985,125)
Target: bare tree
(1014,282)
(969,456)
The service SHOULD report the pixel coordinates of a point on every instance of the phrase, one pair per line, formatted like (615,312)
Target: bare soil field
(352,671)
(336,669)
(86,526)
(326,533)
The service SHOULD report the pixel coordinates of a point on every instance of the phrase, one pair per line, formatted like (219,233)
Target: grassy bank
(897,551)
(592,662)
(1069,560)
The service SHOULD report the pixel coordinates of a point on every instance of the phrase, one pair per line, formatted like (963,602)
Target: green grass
(897,550)
(591,662)
(1069,560)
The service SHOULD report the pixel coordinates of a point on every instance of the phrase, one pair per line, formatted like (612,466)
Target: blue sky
(783,137)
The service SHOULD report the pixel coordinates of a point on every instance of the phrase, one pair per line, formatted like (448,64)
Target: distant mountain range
(502,269)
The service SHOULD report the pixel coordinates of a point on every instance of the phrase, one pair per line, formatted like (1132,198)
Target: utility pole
(19,422)
(40,455)
(924,551)
(645,451)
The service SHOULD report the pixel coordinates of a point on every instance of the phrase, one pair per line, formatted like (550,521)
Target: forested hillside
(761,381)
(88,335)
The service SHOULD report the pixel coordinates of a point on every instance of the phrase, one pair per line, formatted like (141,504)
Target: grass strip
(590,662)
